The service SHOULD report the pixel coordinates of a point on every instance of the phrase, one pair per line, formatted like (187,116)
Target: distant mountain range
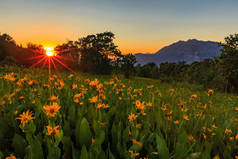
(189,51)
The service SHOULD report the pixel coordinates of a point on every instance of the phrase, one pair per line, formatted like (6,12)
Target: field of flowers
(85,116)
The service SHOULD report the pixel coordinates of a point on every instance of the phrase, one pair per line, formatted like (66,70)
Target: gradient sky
(139,25)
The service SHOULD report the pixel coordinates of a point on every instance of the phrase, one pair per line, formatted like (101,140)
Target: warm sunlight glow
(49,51)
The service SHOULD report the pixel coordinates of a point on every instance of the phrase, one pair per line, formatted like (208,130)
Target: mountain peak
(189,51)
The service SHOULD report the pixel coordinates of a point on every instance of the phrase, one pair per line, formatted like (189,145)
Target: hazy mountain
(189,51)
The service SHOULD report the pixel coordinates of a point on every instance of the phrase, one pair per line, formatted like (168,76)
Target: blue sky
(139,25)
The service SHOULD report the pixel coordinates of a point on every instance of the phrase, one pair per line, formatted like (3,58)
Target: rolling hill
(189,51)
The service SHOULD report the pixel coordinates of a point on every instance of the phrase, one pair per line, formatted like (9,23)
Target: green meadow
(83,116)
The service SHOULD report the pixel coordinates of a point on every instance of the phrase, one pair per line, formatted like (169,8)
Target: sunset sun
(49,51)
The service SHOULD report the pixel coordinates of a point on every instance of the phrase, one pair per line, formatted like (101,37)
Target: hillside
(95,115)
(189,51)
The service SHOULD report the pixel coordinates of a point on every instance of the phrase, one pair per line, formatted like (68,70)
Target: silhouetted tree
(7,38)
(127,65)
(229,61)
(97,52)
(4,38)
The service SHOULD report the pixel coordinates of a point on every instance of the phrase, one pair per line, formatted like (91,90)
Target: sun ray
(64,65)
(37,63)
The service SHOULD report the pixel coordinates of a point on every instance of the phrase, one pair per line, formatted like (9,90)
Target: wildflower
(171,90)
(74,86)
(94,83)
(149,104)
(21,97)
(137,143)
(11,157)
(176,122)
(94,99)
(231,138)
(236,108)
(150,86)
(185,117)
(133,154)
(210,92)
(213,134)
(105,106)
(10,77)
(214,126)
(140,106)
(52,98)
(76,100)
(51,130)
(33,102)
(228,131)
(25,117)
(93,141)
(132,117)
(77,95)
(191,138)
(204,136)
(16,112)
(70,76)
(216,157)
(138,126)
(236,137)
(99,105)
(51,110)
(194,96)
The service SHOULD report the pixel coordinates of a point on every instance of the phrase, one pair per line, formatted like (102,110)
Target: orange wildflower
(132,117)
(210,92)
(76,100)
(11,157)
(228,131)
(53,98)
(94,99)
(191,138)
(134,154)
(149,104)
(74,86)
(185,117)
(51,110)
(136,142)
(25,117)
(51,130)
(93,141)
(176,122)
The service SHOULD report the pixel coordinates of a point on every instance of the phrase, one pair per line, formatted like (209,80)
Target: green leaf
(100,136)
(19,144)
(84,153)
(35,149)
(102,155)
(162,147)
(181,146)
(207,153)
(75,153)
(84,135)
(67,146)
(1,155)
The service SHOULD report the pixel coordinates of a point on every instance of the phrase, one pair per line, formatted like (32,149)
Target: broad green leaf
(84,134)
(84,153)
(162,147)
(19,144)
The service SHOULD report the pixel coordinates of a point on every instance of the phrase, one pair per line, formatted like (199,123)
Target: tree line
(97,53)
(220,73)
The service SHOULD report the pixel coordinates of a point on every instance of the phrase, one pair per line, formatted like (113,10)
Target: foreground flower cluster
(72,116)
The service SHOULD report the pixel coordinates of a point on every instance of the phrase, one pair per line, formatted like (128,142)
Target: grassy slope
(208,117)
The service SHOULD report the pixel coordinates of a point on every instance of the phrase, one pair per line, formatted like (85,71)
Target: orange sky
(139,26)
